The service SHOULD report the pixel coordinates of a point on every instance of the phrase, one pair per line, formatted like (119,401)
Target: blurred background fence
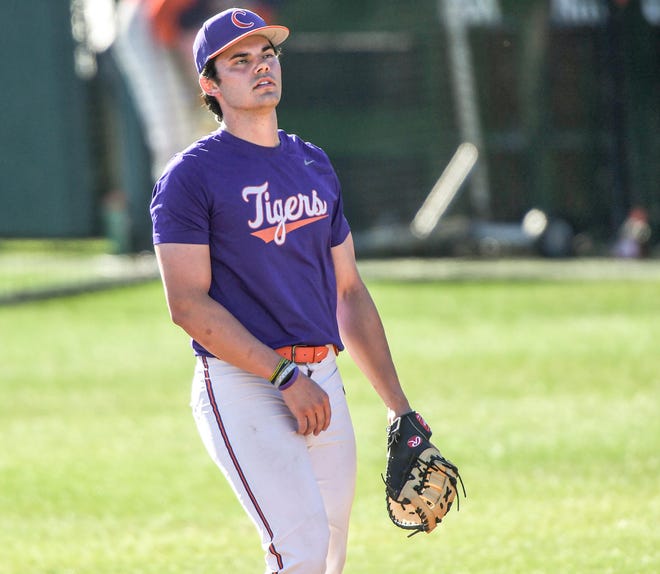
(558,98)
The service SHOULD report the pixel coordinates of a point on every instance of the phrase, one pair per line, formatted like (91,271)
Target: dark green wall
(569,114)
(45,186)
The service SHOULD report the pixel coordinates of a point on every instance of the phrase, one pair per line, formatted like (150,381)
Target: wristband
(290,379)
(284,375)
(278,370)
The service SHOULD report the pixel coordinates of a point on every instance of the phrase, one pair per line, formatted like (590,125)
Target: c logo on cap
(236,22)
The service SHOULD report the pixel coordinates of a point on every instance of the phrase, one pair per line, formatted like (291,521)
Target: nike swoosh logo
(309,161)
(267,235)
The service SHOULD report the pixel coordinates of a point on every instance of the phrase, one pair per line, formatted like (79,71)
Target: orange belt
(305,354)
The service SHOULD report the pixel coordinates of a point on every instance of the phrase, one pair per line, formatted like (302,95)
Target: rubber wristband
(293,377)
(285,375)
(278,370)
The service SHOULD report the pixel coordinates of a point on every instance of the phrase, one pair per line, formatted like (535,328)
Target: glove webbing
(444,464)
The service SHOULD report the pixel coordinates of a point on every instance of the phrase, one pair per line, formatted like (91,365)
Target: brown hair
(211,102)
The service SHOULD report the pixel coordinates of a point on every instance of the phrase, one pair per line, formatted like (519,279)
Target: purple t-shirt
(270,217)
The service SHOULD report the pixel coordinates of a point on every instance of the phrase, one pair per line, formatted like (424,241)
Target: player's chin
(268,99)
(269,92)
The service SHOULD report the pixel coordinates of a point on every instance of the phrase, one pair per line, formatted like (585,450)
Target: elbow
(180,312)
(351,292)
(177,317)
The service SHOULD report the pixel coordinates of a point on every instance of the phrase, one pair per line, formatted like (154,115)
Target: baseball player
(258,266)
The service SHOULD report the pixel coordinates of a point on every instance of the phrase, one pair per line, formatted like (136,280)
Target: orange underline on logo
(267,235)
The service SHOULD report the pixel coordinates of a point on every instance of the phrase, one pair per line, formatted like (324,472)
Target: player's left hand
(309,404)
(420,484)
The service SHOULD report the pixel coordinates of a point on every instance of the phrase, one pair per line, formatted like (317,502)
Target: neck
(259,129)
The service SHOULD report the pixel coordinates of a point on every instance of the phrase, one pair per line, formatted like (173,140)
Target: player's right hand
(309,404)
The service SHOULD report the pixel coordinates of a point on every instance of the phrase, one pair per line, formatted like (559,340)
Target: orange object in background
(164,17)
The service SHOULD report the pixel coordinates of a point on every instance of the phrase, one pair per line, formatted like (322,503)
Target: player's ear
(208,85)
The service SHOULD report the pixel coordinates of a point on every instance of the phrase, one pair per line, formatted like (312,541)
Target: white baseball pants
(298,490)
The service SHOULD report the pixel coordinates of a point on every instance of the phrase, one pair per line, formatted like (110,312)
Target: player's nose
(262,67)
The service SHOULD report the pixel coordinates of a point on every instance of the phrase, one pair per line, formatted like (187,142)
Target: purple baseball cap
(229,27)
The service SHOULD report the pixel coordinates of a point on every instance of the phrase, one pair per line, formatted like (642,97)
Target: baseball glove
(420,484)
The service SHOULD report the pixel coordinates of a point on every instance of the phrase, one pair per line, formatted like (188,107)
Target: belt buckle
(316,353)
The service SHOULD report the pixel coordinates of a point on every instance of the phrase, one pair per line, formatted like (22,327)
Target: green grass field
(34,268)
(545,393)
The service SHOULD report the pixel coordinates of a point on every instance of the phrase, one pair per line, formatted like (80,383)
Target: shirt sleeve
(340,226)
(179,206)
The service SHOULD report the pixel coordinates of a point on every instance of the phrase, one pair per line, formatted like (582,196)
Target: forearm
(220,333)
(362,331)
(186,273)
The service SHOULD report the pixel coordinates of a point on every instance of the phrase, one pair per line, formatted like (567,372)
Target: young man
(258,267)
